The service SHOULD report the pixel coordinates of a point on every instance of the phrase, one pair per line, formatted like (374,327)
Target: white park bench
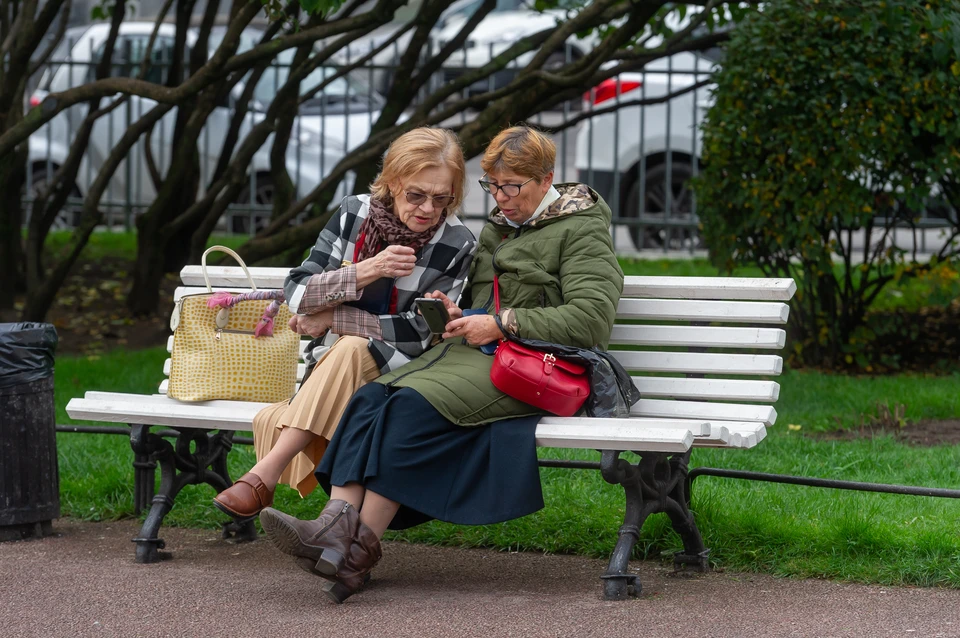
(686,336)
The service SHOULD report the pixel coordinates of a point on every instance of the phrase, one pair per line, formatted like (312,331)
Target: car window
(59,55)
(128,52)
(350,91)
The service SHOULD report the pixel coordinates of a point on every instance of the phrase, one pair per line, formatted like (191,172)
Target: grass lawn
(779,529)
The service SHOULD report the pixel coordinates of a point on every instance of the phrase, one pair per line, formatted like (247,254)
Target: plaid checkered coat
(442,265)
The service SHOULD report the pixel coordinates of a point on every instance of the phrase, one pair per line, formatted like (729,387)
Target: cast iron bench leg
(179,466)
(656,484)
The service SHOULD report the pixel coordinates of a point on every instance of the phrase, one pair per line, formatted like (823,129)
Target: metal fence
(639,157)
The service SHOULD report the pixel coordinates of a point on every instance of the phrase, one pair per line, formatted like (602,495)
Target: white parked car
(640,158)
(335,121)
(508,22)
(512,20)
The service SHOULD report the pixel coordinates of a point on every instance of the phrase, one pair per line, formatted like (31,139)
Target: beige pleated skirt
(317,407)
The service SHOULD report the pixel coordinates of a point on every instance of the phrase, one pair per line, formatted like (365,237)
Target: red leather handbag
(538,378)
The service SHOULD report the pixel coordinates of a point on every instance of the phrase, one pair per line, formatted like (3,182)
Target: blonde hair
(416,150)
(521,150)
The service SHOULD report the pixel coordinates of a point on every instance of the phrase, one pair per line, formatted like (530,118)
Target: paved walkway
(83,582)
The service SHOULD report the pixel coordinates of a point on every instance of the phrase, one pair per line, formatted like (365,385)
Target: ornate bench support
(179,466)
(656,484)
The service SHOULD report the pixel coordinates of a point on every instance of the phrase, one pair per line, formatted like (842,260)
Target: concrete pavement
(83,582)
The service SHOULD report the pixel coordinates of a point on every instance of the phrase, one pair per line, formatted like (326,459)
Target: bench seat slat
(656,435)
(614,437)
(710,389)
(699,363)
(710,411)
(699,336)
(703,310)
(557,431)
(744,288)
(171,413)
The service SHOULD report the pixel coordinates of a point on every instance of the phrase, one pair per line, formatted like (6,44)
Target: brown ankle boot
(321,545)
(363,555)
(244,499)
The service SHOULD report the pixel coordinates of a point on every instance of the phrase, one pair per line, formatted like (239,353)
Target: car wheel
(69,216)
(658,235)
(263,196)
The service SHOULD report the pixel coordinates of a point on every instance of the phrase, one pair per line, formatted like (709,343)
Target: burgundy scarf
(383,228)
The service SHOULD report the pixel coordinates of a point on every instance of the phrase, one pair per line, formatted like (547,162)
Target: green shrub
(832,119)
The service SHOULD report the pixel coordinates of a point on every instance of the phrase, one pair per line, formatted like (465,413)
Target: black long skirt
(394,443)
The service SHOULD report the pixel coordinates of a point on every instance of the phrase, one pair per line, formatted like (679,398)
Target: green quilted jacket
(560,275)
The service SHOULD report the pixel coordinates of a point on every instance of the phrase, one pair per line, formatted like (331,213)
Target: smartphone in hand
(434,313)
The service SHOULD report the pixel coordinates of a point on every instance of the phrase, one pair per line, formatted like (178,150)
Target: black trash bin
(29,476)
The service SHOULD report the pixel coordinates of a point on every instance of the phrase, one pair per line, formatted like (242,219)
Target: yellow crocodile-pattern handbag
(216,356)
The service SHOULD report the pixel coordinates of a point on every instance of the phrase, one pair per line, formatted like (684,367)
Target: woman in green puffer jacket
(435,438)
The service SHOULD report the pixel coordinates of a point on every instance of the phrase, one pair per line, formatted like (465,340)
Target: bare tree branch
(61,30)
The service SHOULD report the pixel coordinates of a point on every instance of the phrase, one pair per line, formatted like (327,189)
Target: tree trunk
(12,176)
(177,253)
(43,295)
(148,271)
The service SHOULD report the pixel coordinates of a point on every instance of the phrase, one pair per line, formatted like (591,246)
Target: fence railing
(634,146)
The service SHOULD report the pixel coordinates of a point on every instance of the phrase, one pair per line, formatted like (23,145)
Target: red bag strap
(496,294)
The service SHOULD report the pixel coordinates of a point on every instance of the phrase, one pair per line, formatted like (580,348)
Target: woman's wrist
(366,273)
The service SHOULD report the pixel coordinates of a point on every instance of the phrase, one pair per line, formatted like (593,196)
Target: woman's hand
(392,261)
(312,325)
(453,310)
(478,330)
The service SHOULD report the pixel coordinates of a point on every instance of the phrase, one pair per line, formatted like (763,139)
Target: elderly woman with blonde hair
(360,280)
(436,439)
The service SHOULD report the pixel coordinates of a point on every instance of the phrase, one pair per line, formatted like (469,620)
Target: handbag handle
(223,249)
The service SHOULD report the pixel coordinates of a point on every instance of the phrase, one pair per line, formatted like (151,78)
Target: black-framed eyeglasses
(510,190)
(439,201)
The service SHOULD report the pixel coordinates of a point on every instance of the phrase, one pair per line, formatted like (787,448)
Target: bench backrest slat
(742,288)
(759,312)
(699,336)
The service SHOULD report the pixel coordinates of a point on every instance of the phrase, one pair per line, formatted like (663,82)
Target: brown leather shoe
(324,541)
(244,499)
(363,555)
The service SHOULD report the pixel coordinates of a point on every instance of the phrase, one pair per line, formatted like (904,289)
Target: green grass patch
(680,268)
(778,529)
(123,245)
